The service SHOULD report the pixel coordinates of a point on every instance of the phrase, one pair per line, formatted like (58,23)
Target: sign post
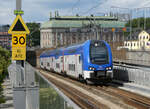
(19,30)
(25,90)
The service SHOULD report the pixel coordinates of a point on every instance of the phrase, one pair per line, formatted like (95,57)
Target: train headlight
(91,68)
(96,44)
(108,68)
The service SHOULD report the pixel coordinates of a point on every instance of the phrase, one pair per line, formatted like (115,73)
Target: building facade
(5,38)
(66,30)
(141,43)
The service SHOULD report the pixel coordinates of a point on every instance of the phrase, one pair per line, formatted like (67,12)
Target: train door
(51,64)
(79,65)
(61,63)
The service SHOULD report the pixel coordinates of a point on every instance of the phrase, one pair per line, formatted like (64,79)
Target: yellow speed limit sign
(18,40)
(18,30)
(18,46)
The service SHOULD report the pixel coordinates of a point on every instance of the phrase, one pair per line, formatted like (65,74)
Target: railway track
(138,101)
(83,100)
(79,98)
(122,98)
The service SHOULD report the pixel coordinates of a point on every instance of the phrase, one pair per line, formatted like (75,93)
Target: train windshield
(98,53)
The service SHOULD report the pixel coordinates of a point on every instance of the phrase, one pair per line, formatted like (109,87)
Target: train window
(47,64)
(79,59)
(72,50)
(98,53)
(72,67)
(69,66)
(57,65)
(62,59)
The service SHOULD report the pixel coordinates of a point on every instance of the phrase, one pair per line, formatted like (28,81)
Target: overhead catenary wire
(93,7)
(74,5)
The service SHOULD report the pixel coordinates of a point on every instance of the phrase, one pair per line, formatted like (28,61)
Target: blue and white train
(90,61)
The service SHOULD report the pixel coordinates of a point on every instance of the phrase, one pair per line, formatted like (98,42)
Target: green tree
(33,39)
(139,23)
(4,63)
(5,60)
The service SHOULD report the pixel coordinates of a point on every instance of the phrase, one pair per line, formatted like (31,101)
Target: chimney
(50,15)
(57,13)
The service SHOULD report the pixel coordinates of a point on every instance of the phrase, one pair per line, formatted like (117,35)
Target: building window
(143,37)
(125,44)
(134,44)
(147,37)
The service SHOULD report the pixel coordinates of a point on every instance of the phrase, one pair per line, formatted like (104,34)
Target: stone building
(66,30)
(141,42)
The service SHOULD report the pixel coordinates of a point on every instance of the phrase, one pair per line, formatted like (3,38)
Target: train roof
(73,49)
(65,50)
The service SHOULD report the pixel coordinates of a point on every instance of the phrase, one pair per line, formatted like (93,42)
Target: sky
(38,10)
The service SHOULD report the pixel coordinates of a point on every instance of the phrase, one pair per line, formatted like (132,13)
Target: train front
(98,63)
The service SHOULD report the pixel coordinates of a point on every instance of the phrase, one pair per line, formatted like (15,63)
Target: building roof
(76,22)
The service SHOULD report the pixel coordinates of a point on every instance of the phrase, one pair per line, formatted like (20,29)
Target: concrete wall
(133,57)
(136,75)
(139,57)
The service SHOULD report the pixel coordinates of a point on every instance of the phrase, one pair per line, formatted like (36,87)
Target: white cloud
(38,10)
(6,12)
(127,3)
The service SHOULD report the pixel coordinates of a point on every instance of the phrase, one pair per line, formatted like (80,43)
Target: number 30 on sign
(18,40)
(18,46)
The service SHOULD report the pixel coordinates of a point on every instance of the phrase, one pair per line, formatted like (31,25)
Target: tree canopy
(33,39)
(4,60)
(139,23)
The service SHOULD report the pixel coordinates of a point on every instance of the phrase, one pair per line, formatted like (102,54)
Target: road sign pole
(20,99)
(25,90)
(18,5)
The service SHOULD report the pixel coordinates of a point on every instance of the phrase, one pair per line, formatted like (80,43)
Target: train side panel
(72,66)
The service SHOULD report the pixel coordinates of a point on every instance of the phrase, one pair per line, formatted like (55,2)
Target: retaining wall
(136,75)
